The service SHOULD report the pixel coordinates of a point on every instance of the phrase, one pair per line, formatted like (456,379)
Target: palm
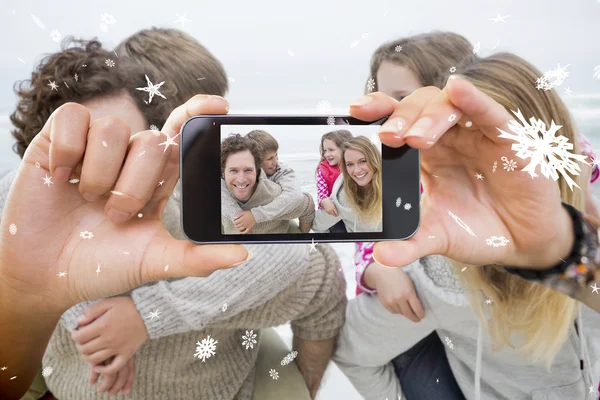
(503,203)
(51,230)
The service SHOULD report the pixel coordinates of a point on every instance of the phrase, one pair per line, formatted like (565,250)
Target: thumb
(168,257)
(93,312)
(428,240)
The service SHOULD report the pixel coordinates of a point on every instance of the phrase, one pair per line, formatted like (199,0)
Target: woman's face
(358,168)
(396,81)
(331,152)
(240,174)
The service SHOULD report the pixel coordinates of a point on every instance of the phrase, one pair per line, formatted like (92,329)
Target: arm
(370,339)
(322,188)
(289,199)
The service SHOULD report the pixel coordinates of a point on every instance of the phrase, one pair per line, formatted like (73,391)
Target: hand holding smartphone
(261,179)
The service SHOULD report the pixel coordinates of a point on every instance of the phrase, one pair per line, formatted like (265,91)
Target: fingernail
(250,255)
(117,216)
(62,174)
(361,101)
(420,128)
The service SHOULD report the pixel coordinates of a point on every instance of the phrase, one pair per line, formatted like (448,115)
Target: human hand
(122,177)
(111,329)
(122,380)
(396,291)
(244,222)
(525,211)
(329,207)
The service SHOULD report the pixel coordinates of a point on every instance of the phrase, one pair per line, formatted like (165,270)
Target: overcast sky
(331,41)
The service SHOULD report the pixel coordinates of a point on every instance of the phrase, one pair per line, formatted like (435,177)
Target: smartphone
(295,179)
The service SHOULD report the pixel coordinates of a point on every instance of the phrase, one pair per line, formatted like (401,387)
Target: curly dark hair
(236,143)
(81,73)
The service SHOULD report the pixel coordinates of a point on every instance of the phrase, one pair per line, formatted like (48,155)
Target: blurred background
(312,55)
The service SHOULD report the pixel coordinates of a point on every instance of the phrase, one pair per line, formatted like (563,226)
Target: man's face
(269,164)
(240,174)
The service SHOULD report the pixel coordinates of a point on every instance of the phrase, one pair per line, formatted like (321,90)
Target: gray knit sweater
(281,283)
(273,205)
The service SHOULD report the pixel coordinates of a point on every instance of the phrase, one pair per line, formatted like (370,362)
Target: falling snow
(53,85)
(289,358)
(509,165)
(398,49)
(452,70)
(249,340)
(371,84)
(169,142)
(462,224)
(12,229)
(497,241)
(152,89)
(38,21)
(109,63)
(48,180)
(46,372)
(55,35)
(274,374)
(552,78)
(86,235)
(449,342)
(553,154)
(74,180)
(107,19)
(330,120)
(398,201)
(452,118)
(323,106)
(407,206)
(206,348)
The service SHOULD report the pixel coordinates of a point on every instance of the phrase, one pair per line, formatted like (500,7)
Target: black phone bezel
(200,172)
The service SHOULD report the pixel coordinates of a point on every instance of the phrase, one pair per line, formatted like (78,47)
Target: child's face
(331,152)
(269,164)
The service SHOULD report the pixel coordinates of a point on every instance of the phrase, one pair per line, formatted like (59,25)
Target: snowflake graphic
(508,165)
(479,176)
(109,63)
(46,372)
(331,120)
(76,77)
(116,193)
(104,144)
(597,72)
(495,166)
(55,35)
(206,348)
(107,19)
(407,206)
(48,180)
(182,19)
(398,201)
(496,241)
(461,223)
(489,302)
(104,27)
(37,164)
(53,85)
(249,340)
(289,358)
(224,308)
(12,229)
(74,180)
(552,78)
(154,128)
(152,89)
(323,106)
(398,49)
(542,147)
(452,70)
(86,235)
(449,342)
(169,142)
(274,374)
(468,124)
(371,84)
(452,118)
(37,21)
(140,215)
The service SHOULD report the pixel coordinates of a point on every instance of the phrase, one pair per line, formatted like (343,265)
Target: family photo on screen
(260,194)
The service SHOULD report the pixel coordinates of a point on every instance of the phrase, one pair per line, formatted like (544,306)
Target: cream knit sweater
(281,283)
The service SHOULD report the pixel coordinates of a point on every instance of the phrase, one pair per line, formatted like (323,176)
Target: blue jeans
(420,368)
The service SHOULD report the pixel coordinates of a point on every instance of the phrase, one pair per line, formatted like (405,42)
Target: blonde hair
(264,139)
(367,200)
(339,137)
(429,56)
(542,315)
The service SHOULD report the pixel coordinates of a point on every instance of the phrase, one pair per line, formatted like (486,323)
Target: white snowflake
(48,180)
(140,215)
(371,84)
(452,118)
(76,77)
(289,358)
(552,78)
(449,342)
(323,106)
(597,72)
(568,91)
(53,85)
(542,147)
(365,35)
(107,19)
(62,274)
(249,340)
(479,176)
(104,27)
(46,372)
(495,166)
(331,120)
(116,193)
(206,348)
(468,124)
(274,374)
(461,223)
(407,206)
(499,18)
(169,142)
(74,180)
(398,49)
(109,63)
(452,70)
(152,89)
(12,229)
(509,165)
(154,314)
(166,267)
(37,21)
(86,235)
(398,201)
(55,35)
(496,241)
(104,144)
(182,19)
(489,302)
(224,308)
(37,164)
(154,128)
